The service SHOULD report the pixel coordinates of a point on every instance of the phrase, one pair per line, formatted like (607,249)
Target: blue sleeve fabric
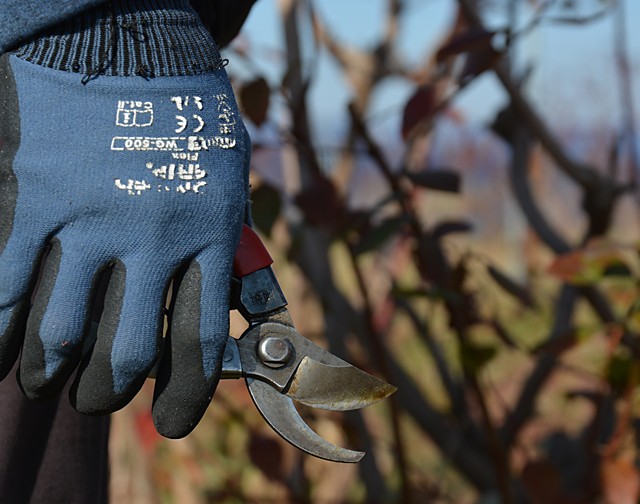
(137,181)
(223,18)
(22,19)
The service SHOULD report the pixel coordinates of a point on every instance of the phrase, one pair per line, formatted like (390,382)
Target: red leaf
(478,62)
(568,267)
(266,454)
(420,107)
(542,482)
(448,227)
(432,261)
(473,40)
(591,263)
(620,481)
(438,179)
(146,431)
(321,203)
(254,98)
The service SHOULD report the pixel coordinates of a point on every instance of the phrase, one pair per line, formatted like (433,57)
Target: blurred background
(449,189)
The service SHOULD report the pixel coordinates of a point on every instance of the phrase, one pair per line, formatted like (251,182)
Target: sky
(574,71)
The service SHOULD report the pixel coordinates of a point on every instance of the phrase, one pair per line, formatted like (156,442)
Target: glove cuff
(148,38)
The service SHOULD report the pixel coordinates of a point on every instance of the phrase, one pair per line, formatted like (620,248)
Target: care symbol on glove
(134,113)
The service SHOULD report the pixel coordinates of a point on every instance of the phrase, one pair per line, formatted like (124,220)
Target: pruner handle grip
(255,290)
(251,254)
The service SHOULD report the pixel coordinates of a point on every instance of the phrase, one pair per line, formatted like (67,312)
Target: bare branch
(380,355)
(584,175)
(522,191)
(453,387)
(526,402)
(395,9)
(626,92)
(582,20)
(454,439)
(536,20)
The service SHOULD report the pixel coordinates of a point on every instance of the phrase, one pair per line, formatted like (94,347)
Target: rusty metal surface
(337,388)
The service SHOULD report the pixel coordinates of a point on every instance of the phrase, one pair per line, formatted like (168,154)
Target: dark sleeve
(49,452)
(223,18)
(21,19)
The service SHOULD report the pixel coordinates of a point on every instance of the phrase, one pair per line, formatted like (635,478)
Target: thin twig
(453,388)
(473,469)
(315,258)
(380,357)
(626,92)
(526,401)
(499,454)
(520,186)
(583,20)
(498,451)
(585,176)
(535,21)
(455,439)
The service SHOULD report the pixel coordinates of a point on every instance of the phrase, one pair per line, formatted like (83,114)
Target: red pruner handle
(251,254)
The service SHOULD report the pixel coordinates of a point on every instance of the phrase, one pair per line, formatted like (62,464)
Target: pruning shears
(280,366)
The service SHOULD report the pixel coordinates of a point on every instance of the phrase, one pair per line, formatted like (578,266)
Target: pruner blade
(279,365)
(306,373)
(337,388)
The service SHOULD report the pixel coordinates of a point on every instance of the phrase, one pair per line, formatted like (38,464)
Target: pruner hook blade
(280,413)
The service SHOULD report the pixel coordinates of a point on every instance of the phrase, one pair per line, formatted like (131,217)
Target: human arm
(138,172)
(223,18)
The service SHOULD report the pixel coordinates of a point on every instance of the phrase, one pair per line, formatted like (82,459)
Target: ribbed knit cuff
(128,37)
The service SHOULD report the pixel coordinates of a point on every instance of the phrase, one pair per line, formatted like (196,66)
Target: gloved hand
(142,178)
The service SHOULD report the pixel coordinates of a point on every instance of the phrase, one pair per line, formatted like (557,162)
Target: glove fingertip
(182,395)
(190,366)
(175,416)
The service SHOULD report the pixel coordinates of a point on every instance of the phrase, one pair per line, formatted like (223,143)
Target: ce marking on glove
(182,102)
(183,122)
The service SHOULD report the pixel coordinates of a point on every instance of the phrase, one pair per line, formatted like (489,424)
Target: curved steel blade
(337,388)
(312,375)
(280,413)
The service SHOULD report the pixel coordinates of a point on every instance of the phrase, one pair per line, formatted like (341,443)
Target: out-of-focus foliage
(512,387)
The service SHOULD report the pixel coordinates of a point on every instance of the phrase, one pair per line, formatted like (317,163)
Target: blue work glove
(138,180)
